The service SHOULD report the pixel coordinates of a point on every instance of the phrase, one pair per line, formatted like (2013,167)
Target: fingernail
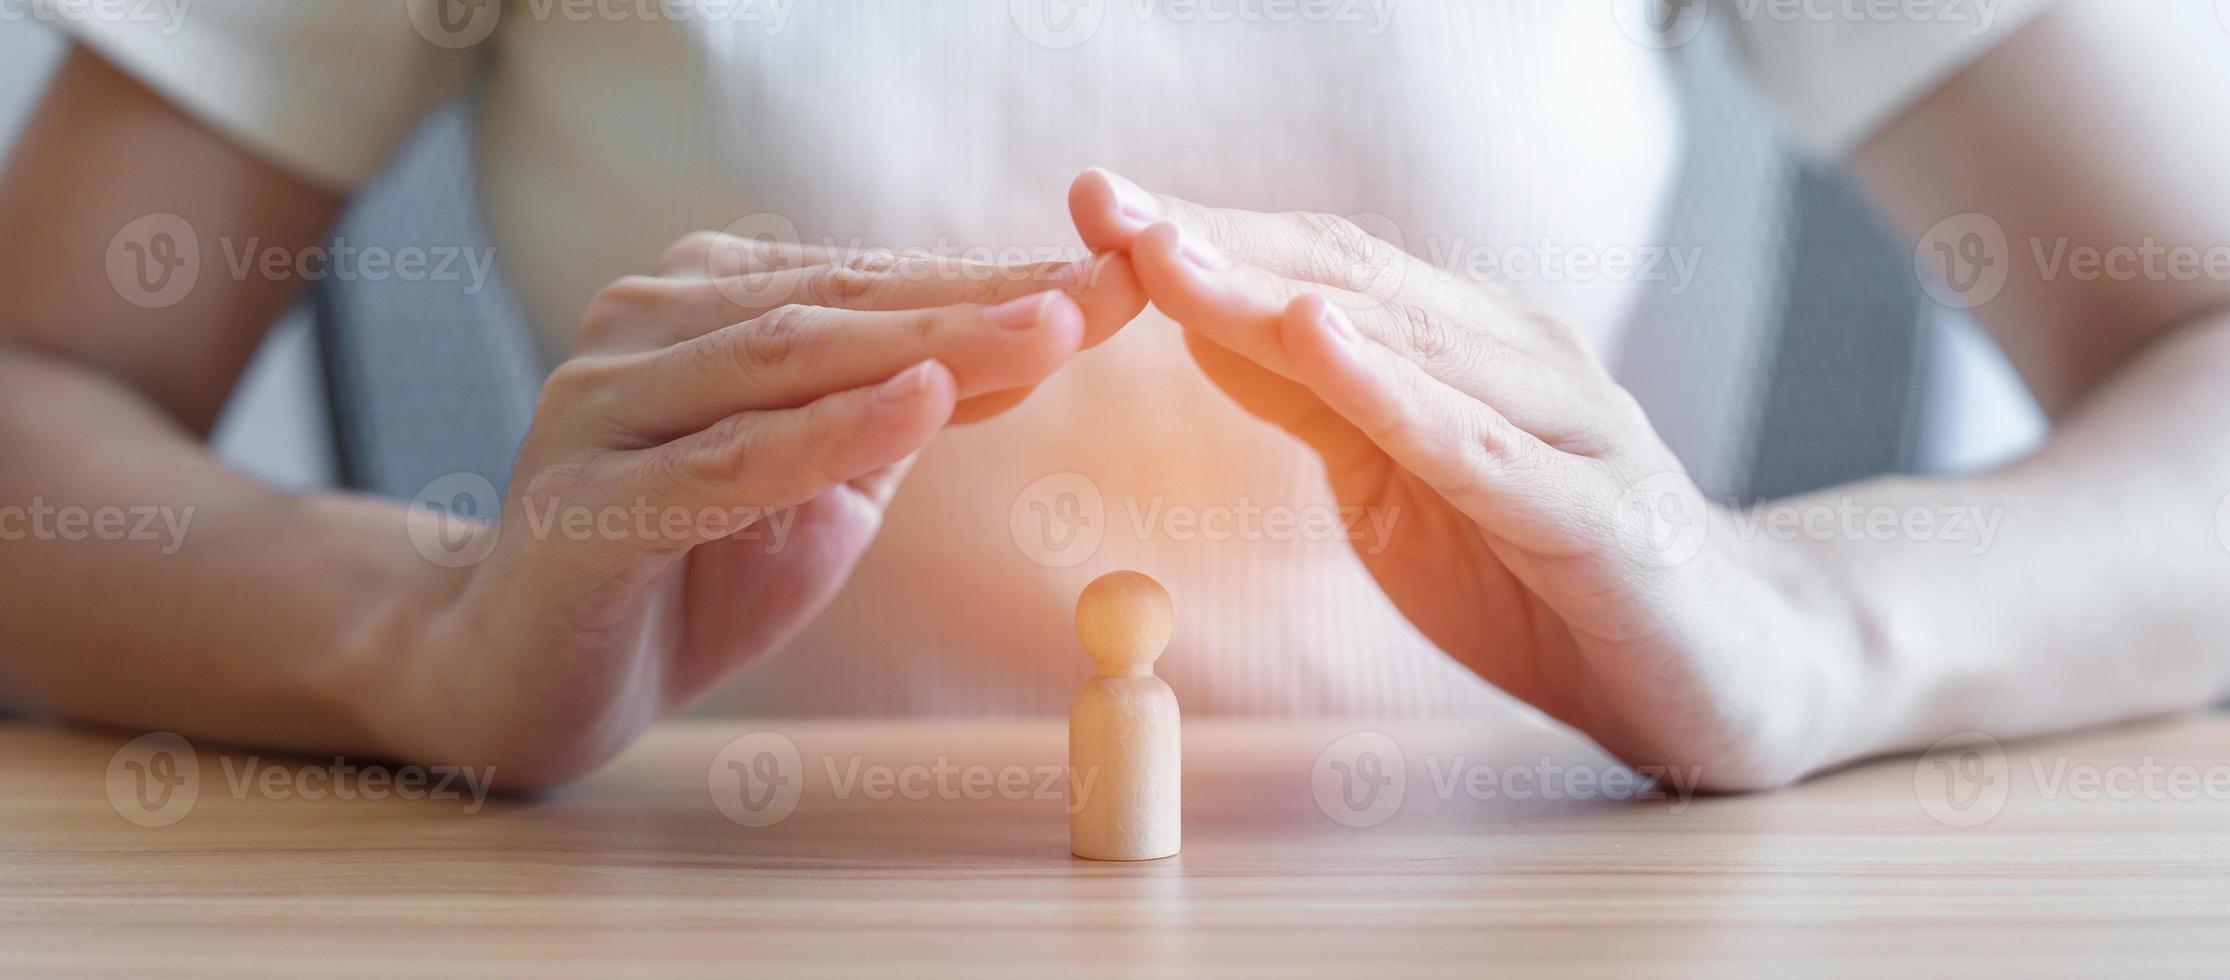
(1135,202)
(905,385)
(1017,314)
(1201,253)
(1337,323)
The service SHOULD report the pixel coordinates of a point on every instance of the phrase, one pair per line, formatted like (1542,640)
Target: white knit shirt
(1497,131)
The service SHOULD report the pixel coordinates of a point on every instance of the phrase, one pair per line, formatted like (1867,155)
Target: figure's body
(1125,770)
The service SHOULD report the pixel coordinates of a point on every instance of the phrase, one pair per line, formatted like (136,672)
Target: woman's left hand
(1544,535)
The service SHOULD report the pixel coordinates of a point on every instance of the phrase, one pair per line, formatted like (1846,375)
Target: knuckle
(690,253)
(875,261)
(920,331)
(1339,252)
(1429,335)
(623,303)
(1493,443)
(1339,237)
(773,343)
(854,277)
(577,384)
(726,457)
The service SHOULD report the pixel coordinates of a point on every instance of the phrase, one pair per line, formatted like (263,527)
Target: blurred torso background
(1528,142)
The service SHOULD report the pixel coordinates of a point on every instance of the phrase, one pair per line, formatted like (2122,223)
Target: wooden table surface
(2103,853)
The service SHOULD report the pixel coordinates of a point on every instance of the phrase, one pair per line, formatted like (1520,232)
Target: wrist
(1860,697)
(385,678)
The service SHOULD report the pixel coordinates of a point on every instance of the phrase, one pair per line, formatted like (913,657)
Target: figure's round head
(1124,619)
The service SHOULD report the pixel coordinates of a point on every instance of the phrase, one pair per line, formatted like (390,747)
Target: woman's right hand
(700,478)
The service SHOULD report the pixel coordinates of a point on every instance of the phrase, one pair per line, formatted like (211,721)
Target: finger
(1104,286)
(798,354)
(1501,476)
(880,485)
(716,255)
(1111,213)
(1241,307)
(644,313)
(1328,250)
(1236,306)
(1280,401)
(766,461)
(981,407)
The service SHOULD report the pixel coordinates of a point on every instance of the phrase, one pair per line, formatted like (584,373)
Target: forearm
(2082,585)
(206,603)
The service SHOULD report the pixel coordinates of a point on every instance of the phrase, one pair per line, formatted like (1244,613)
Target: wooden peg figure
(1123,738)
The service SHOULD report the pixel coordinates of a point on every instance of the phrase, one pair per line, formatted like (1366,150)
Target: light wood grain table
(915,849)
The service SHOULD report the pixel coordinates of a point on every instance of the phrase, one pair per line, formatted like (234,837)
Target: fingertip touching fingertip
(1127,198)
(1109,210)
